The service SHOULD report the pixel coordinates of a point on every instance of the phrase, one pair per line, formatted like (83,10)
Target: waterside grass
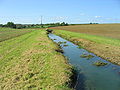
(30,62)
(104,47)
(94,38)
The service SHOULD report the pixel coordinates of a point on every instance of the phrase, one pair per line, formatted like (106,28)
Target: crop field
(7,33)
(106,30)
(30,62)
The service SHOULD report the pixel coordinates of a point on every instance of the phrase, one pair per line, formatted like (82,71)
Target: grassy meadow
(30,62)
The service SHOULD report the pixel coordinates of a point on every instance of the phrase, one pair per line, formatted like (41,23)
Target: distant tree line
(93,23)
(20,26)
(84,24)
(57,24)
(12,25)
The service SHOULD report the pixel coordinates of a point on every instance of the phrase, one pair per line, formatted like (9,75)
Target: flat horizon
(77,12)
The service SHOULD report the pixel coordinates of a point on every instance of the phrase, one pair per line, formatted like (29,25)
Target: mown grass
(30,62)
(94,38)
(8,33)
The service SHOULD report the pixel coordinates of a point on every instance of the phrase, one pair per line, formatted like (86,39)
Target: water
(90,77)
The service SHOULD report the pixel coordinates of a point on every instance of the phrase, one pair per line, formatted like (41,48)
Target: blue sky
(71,11)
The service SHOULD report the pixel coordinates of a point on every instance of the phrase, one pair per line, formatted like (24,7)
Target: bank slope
(107,48)
(31,62)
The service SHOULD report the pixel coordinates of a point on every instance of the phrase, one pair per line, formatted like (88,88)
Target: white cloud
(98,16)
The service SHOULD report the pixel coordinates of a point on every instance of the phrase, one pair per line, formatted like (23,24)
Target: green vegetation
(105,30)
(12,25)
(20,26)
(57,24)
(98,39)
(60,42)
(104,47)
(54,39)
(65,42)
(88,56)
(65,45)
(7,33)
(28,62)
(99,63)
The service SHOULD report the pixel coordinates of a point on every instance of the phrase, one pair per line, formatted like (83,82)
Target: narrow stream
(90,77)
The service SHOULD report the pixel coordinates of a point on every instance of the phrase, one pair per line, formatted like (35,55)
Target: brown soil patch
(107,30)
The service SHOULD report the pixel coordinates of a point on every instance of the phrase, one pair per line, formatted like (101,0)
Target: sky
(70,11)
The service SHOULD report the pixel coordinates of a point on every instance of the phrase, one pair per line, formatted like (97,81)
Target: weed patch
(99,63)
(88,56)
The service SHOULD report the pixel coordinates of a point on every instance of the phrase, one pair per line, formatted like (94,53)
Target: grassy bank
(30,62)
(107,48)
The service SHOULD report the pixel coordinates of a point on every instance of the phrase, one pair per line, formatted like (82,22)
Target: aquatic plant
(88,56)
(65,45)
(79,47)
(65,42)
(99,63)
(60,42)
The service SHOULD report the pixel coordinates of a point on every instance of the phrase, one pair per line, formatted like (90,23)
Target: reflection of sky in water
(90,77)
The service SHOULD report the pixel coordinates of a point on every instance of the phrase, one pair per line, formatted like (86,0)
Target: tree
(11,25)
(20,26)
(66,24)
(63,24)
(91,23)
(1,25)
(57,24)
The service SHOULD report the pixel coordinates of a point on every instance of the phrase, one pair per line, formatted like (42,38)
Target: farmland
(106,30)
(100,43)
(29,61)
(8,33)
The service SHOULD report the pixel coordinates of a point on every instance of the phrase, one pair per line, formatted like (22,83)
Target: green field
(7,33)
(30,62)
